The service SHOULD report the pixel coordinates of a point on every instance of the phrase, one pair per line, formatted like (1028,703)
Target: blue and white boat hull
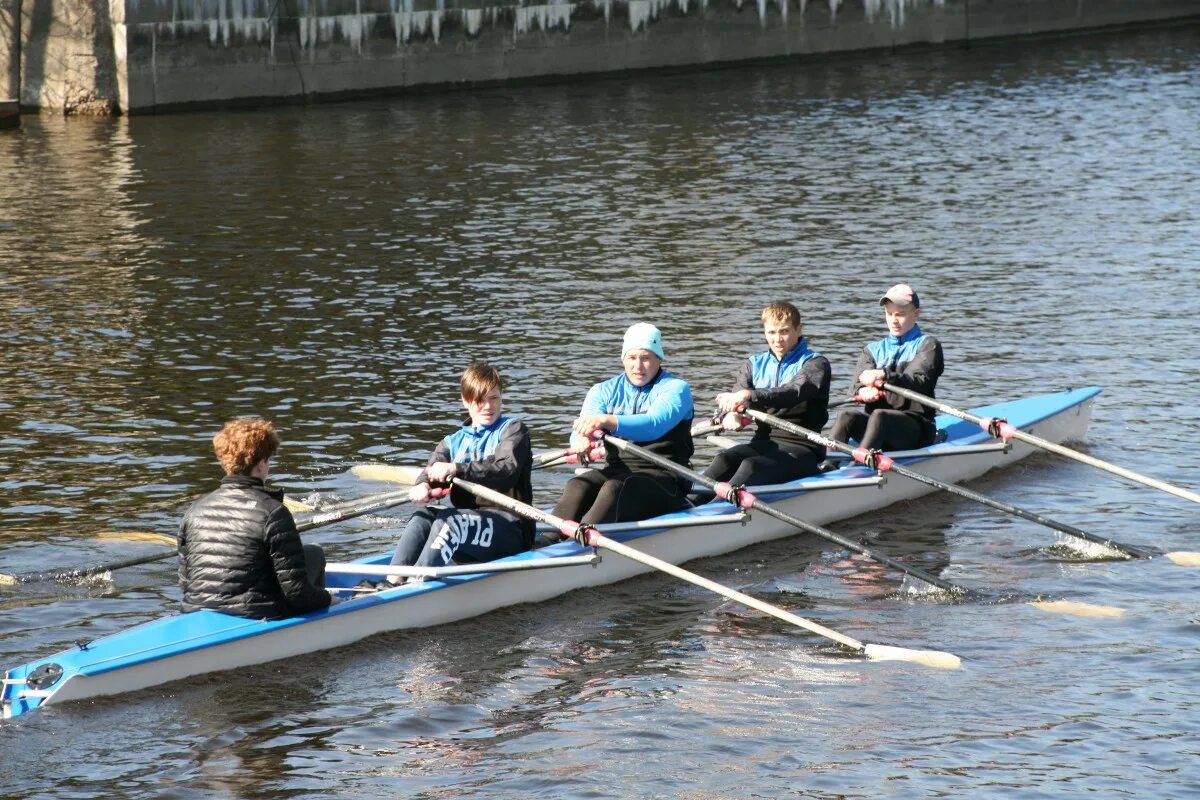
(182,645)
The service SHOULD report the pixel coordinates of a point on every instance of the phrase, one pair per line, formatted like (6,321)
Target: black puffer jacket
(239,553)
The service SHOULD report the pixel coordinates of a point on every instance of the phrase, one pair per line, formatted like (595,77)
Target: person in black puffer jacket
(239,551)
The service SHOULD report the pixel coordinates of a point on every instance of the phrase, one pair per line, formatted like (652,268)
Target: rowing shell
(181,645)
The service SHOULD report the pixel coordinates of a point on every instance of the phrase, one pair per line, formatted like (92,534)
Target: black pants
(883,429)
(609,495)
(760,463)
(314,565)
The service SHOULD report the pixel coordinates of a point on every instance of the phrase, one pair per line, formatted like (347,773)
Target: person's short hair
(478,379)
(781,311)
(244,442)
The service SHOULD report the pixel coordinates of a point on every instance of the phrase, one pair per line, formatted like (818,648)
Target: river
(334,267)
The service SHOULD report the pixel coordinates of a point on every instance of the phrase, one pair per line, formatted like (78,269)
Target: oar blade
(296,506)
(1077,609)
(926,658)
(392,473)
(1184,558)
(138,536)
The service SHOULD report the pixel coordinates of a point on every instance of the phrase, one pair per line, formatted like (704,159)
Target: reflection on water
(334,268)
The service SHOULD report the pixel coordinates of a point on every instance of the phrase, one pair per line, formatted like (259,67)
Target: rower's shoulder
(512,426)
(672,382)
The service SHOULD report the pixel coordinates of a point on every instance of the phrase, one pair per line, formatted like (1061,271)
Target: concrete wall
(144,55)
(67,55)
(10,49)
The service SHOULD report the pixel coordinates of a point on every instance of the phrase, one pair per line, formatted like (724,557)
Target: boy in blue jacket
(492,450)
(790,381)
(906,357)
(648,406)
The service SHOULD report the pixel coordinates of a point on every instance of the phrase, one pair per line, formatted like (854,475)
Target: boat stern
(28,687)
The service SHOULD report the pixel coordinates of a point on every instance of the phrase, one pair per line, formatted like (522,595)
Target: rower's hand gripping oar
(1000,429)
(880,461)
(741,498)
(378,503)
(588,536)
(555,458)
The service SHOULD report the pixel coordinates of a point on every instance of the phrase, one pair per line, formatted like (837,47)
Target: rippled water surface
(335,267)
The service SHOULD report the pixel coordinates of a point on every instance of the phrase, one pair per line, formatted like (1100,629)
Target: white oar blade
(1076,609)
(926,658)
(1184,558)
(296,505)
(138,536)
(392,473)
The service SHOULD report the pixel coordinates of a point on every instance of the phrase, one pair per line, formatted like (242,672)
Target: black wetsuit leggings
(759,463)
(609,495)
(884,429)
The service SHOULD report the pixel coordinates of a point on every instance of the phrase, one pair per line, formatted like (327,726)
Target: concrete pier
(98,56)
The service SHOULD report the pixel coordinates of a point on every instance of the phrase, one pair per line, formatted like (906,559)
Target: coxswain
(907,357)
(490,449)
(239,551)
(648,406)
(789,381)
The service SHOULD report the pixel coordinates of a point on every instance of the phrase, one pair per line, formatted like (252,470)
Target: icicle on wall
(544,18)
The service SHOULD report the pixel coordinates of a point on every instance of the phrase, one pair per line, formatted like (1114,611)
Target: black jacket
(920,374)
(803,400)
(240,553)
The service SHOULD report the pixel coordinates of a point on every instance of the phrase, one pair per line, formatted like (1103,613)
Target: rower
(645,404)
(239,551)
(789,381)
(907,357)
(490,449)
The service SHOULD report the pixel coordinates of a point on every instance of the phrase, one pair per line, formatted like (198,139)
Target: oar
(556,458)
(390,473)
(880,461)
(1002,430)
(295,506)
(743,499)
(316,521)
(590,537)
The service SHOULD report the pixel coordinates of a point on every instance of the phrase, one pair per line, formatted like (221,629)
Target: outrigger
(181,645)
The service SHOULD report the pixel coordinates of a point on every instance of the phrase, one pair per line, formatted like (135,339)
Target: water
(335,267)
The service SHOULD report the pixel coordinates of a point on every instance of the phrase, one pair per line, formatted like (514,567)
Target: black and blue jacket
(794,388)
(912,361)
(498,456)
(656,416)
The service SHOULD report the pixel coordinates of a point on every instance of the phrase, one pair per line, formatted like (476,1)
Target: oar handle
(744,499)
(724,490)
(1002,430)
(860,454)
